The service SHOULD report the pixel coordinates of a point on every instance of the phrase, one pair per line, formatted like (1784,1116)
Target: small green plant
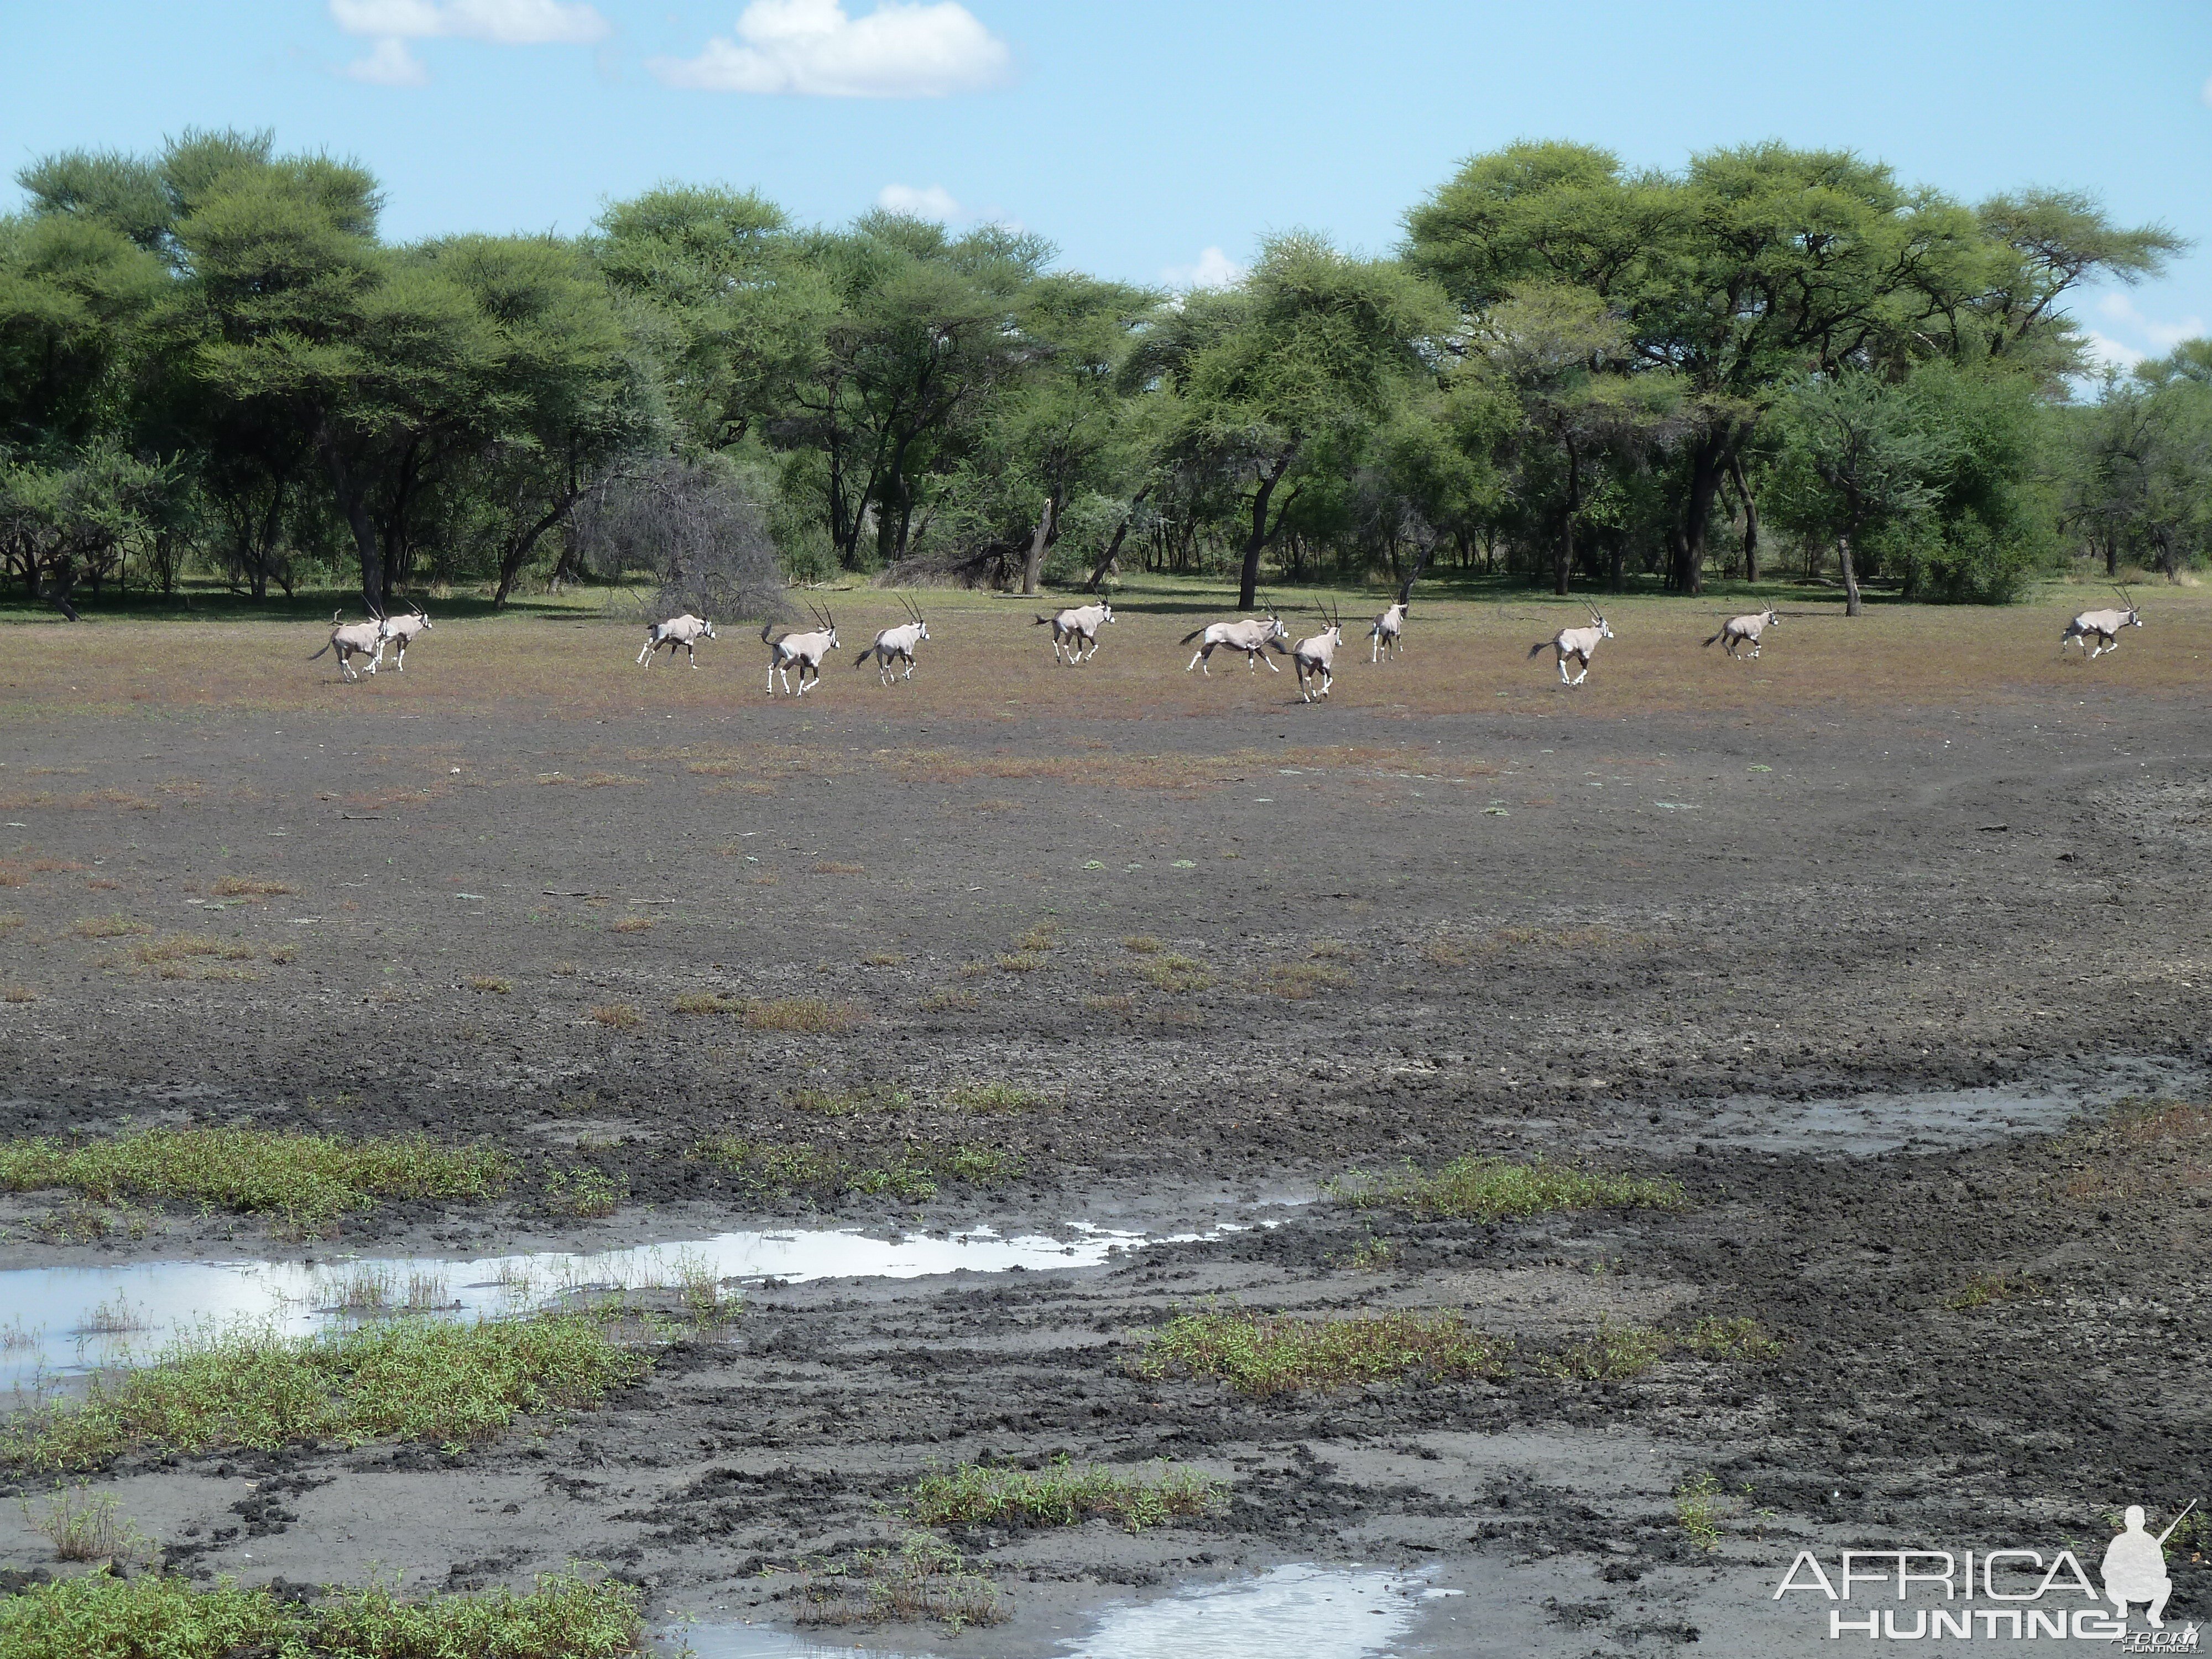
(493,983)
(584,1195)
(449,1384)
(949,1000)
(1494,1188)
(1171,972)
(83,1527)
(926,1579)
(566,1617)
(915,1173)
(1142,944)
(1700,1506)
(1616,1352)
(706,1002)
(1261,1355)
(109,926)
(1730,1339)
(810,1016)
(702,1292)
(1295,981)
(618,1016)
(1062,1494)
(994,1097)
(1983,1288)
(1371,1256)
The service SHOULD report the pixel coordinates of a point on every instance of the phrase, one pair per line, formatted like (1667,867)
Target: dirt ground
(1698,919)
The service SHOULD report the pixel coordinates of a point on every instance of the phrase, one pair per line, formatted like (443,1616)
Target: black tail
(1188,637)
(863,656)
(1718,637)
(1043,621)
(324,651)
(1541,646)
(766,628)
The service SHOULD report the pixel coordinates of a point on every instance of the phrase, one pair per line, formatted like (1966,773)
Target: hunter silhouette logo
(1986,1600)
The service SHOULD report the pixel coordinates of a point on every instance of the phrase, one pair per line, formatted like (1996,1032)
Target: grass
(309,1180)
(1371,1256)
(1169,971)
(1615,1354)
(109,926)
(492,982)
(830,867)
(631,925)
(1025,962)
(849,1103)
(1259,1354)
(1700,1506)
(1295,981)
(917,1172)
(584,1195)
(1730,1339)
(97,1616)
(82,1527)
(925,1579)
(453,1385)
(1142,944)
(1983,1288)
(13,993)
(1042,937)
(247,887)
(1493,1188)
(881,959)
(995,1097)
(1061,1495)
(948,1000)
(618,1016)
(810,1016)
(176,947)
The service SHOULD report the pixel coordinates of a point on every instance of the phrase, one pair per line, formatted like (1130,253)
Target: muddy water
(1314,1612)
(64,1320)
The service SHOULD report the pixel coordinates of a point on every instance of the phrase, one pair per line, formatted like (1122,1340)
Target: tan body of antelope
(1254,637)
(1078,630)
(804,652)
(402,631)
(1579,643)
(1389,633)
(1745,630)
(896,644)
(686,630)
(352,640)
(1315,656)
(2104,624)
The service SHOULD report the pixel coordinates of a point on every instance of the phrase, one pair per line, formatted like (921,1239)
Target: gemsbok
(686,630)
(1078,629)
(803,651)
(1389,630)
(897,644)
(2104,624)
(1315,656)
(1743,630)
(402,631)
(1254,637)
(1580,643)
(351,640)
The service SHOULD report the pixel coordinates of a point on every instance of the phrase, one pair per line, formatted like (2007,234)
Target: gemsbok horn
(2104,624)
(686,630)
(1580,643)
(1078,629)
(897,644)
(802,650)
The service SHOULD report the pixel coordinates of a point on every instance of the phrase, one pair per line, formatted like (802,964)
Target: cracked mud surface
(1729,949)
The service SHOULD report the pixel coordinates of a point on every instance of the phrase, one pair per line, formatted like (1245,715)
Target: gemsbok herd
(1075,641)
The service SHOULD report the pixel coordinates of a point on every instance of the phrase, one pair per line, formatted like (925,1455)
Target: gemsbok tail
(1192,634)
(766,628)
(1045,621)
(327,644)
(863,656)
(1716,638)
(1541,648)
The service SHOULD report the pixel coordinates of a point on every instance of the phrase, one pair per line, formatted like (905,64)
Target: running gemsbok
(2104,624)
(1741,630)
(355,639)
(1580,643)
(1254,635)
(1389,630)
(686,630)
(897,644)
(802,650)
(402,631)
(1077,629)
(1315,657)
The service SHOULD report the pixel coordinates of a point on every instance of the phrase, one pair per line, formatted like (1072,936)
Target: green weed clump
(1493,1188)
(926,1579)
(1616,1352)
(917,1172)
(1259,1354)
(1061,1495)
(310,1180)
(453,1385)
(101,1617)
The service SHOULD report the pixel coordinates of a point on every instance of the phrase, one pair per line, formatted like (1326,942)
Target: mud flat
(1906,999)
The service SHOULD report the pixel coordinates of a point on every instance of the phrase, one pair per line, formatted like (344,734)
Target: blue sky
(1155,140)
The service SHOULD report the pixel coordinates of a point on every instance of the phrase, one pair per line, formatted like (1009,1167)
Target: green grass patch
(916,1171)
(1262,1354)
(1062,1494)
(310,1180)
(584,1195)
(1172,972)
(1615,1354)
(994,1097)
(101,1617)
(1493,1188)
(924,1580)
(453,1385)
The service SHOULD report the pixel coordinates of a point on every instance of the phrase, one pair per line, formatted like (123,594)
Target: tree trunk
(1035,562)
(1852,607)
(355,509)
(1750,520)
(1708,465)
(1256,544)
(2112,557)
(1563,561)
(1113,548)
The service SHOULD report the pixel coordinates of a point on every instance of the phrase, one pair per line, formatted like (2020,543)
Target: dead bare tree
(694,529)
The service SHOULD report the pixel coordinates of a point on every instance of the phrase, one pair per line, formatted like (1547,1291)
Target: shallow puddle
(1314,1613)
(68,1320)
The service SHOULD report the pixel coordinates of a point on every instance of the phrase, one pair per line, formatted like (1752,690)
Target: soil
(1731,949)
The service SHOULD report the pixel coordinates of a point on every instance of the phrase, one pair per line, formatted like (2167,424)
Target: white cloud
(504,23)
(389,64)
(934,203)
(2165,335)
(812,48)
(1214,269)
(2106,352)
